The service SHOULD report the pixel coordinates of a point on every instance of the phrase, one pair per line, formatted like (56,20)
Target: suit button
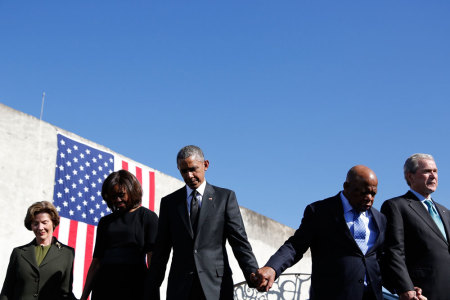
(195,251)
(361,281)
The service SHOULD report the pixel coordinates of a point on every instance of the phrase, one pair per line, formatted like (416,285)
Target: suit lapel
(338,211)
(183,210)
(376,218)
(443,213)
(30,256)
(52,253)
(422,212)
(208,204)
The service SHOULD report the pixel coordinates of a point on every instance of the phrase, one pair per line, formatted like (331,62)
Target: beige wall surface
(27,169)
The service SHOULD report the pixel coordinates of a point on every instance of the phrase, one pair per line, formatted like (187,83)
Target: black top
(120,234)
(122,241)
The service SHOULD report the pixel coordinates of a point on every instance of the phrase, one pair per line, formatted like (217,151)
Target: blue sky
(283,96)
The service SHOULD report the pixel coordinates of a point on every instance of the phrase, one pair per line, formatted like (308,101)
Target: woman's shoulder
(144,211)
(62,246)
(22,248)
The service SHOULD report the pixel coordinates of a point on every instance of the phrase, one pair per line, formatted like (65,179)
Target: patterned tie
(359,231)
(434,214)
(194,210)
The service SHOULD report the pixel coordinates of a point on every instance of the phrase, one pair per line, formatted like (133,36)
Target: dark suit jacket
(338,265)
(52,280)
(202,252)
(417,253)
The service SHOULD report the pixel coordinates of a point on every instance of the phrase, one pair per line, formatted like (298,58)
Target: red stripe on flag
(90,230)
(56,232)
(139,174)
(151,191)
(124,165)
(72,242)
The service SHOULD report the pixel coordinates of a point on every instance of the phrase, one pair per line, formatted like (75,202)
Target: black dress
(122,242)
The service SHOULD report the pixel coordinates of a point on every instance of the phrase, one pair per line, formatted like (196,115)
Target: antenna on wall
(42,105)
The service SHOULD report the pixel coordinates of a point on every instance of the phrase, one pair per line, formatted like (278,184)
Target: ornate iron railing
(287,287)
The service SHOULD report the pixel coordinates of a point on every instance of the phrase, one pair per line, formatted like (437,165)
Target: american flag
(80,172)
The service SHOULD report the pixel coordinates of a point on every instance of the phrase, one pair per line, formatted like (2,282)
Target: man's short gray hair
(412,163)
(188,151)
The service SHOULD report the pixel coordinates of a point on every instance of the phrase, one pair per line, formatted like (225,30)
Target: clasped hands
(416,294)
(263,278)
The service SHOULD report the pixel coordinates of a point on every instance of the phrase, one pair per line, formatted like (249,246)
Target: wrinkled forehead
(427,164)
(190,160)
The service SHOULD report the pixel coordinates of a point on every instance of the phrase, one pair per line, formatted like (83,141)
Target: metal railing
(289,286)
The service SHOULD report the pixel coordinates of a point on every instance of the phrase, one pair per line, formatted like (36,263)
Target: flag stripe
(72,241)
(90,231)
(56,232)
(78,268)
(139,175)
(151,189)
(124,165)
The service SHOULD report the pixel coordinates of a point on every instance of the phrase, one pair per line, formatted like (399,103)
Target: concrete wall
(27,165)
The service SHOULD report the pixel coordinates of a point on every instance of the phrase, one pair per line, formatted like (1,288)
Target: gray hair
(188,151)
(412,163)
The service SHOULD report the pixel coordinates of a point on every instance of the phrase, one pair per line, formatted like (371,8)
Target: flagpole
(42,106)
(40,162)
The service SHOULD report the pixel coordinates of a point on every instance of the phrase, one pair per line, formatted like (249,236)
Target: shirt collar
(348,207)
(419,196)
(345,204)
(200,189)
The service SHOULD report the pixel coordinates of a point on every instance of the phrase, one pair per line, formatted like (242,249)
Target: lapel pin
(210,198)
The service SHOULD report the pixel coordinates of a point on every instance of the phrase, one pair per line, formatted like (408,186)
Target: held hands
(263,278)
(413,295)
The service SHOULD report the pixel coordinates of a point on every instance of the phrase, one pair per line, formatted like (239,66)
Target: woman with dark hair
(125,239)
(41,269)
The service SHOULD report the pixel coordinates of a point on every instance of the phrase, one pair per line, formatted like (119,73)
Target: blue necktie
(434,214)
(359,231)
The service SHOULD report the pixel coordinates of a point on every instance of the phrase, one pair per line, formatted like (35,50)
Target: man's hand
(264,278)
(413,295)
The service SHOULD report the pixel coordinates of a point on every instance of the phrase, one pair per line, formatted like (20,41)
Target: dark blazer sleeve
(395,272)
(294,248)
(237,237)
(161,253)
(67,279)
(9,283)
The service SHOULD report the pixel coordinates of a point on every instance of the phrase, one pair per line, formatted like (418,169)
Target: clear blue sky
(283,96)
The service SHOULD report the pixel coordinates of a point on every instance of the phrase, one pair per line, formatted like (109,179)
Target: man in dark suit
(345,235)
(196,221)
(417,247)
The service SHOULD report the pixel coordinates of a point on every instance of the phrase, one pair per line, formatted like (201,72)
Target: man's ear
(345,185)
(206,164)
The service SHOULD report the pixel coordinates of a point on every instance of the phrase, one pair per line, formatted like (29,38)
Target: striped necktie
(194,210)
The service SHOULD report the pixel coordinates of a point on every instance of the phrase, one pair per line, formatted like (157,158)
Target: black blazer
(52,280)
(338,265)
(202,252)
(417,254)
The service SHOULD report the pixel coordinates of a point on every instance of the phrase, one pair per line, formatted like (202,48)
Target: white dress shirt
(367,218)
(200,193)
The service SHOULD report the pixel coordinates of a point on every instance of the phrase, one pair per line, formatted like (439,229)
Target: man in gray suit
(195,222)
(417,250)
